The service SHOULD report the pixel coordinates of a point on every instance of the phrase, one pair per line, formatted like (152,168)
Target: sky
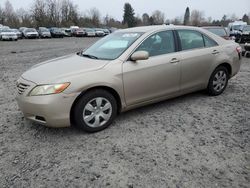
(172,8)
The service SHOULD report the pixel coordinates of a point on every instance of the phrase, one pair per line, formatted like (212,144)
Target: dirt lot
(191,141)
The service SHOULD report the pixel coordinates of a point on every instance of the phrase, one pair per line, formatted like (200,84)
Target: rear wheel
(218,81)
(95,110)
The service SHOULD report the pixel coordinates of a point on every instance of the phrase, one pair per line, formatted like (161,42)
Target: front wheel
(218,81)
(95,110)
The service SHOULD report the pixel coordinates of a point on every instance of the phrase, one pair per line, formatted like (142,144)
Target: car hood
(62,68)
(45,32)
(31,33)
(7,33)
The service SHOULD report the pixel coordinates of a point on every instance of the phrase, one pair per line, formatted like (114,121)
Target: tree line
(64,13)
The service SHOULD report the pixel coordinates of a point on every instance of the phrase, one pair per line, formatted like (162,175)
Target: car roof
(146,29)
(151,29)
(208,27)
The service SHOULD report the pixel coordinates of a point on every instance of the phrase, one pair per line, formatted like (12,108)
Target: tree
(128,16)
(177,21)
(2,16)
(10,16)
(197,17)
(187,17)
(245,18)
(158,17)
(53,12)
(95,16)
(25,17)
(145,19)
(39,13)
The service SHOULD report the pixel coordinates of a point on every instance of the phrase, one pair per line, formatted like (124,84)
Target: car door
(197,55)
(155,77)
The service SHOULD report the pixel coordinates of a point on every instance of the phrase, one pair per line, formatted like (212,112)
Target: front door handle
(215,52)
(174,60)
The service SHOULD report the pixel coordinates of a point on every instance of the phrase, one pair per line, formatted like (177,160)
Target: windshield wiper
(89,56)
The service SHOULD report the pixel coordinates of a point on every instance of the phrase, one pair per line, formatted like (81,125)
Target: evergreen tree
(245,18)
(128,16)
(187,17)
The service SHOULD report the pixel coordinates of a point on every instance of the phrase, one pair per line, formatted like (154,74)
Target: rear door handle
(215,52)
(174,60)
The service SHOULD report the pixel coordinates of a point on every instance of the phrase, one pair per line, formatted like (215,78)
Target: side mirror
(139,55)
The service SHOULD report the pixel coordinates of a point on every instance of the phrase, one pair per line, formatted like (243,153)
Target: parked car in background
(234,27)
(127,69)
(7,34)
(18,33)
(21,29)
(220,31)
(44,32)
(56,32)
(99,32)
(106,31)
(78,32)
(66,32)
(89,32)
(244,34)
(30,33)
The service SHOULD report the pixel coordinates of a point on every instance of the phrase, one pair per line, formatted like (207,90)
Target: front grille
(21,87)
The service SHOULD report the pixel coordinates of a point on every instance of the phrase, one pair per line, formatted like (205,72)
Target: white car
(30,33)
(8,34)
(99,33)
(90,32)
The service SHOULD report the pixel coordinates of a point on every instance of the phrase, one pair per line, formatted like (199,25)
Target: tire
(219,76)
(90,116)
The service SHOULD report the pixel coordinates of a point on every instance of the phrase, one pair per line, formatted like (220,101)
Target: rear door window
(209,42)
(191,39)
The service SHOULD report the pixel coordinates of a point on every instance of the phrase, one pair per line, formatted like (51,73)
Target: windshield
(236,27)
(218,31)
(89,30)
(246,28)
(112,46)
(30,30)
(7,30)
(44,30)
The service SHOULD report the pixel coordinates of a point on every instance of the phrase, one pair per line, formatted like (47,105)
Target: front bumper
(32,36)
(49,110)
(6,37)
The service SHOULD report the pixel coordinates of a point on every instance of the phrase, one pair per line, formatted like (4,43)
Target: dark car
(244,34)
(220,31)
(78,33)
(56,32)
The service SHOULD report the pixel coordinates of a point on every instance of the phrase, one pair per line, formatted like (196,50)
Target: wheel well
(227,66)
(109,89)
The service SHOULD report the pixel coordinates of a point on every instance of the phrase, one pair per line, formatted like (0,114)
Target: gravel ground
(190,141)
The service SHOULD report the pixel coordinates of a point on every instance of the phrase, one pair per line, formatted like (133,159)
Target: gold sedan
(124,70)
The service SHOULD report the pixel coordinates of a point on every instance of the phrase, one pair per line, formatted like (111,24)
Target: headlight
(48,89)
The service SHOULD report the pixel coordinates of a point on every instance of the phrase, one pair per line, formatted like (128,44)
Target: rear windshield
(218,31)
